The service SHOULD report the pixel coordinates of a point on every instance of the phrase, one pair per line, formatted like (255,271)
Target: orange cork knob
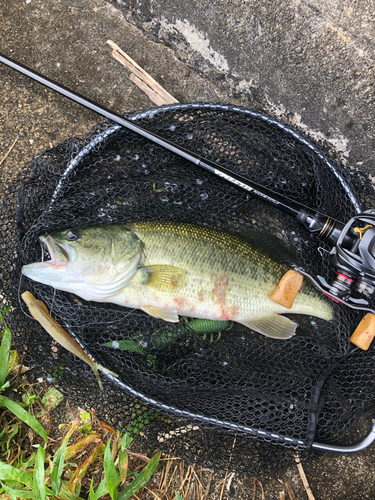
(287,289)
(364,334)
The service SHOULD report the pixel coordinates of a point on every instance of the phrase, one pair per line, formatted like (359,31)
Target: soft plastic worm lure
(40,312)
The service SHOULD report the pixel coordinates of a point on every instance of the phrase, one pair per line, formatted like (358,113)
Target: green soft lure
(206,327)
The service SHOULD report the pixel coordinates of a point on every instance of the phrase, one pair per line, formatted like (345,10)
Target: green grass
(38,473)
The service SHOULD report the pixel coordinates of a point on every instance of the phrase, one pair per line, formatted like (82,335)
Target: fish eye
(72,235)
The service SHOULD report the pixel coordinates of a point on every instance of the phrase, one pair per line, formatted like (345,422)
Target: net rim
(152,112)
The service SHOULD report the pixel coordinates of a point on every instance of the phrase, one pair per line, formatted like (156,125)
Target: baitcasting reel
(352,257)
(353,260)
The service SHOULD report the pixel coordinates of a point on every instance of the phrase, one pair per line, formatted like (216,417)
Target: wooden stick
(256,481)
(151,93)
(8,152)
(304,479)
(156,93)
(222,489)
(289,490)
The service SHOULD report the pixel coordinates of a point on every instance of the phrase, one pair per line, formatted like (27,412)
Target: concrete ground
(310,64)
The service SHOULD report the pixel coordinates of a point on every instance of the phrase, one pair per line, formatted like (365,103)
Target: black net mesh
(226,404)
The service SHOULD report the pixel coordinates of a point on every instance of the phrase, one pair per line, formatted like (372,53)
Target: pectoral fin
(164,278)
(165,314)
(274,326)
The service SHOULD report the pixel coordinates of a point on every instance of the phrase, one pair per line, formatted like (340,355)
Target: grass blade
(10,473)
(123,462)
(14,358)
(110,473)
(125,441)
(74,484)
(142,478)
(39,488)
(24,415)
(65,494)
(92,495)
(178,496)
(102,489)
(4,355)
(76,447)
(58,461)
(17,493)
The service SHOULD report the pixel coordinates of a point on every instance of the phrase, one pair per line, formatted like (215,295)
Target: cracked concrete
(310,63)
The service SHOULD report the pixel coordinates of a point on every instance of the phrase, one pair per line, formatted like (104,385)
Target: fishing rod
(353,244)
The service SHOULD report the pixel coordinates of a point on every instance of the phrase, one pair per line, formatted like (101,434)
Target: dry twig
(289,490)
(152,493)
(222,489)
(9,151)
(188,481)
(304,479)
(256,481)
(164,476)
(171,479)
(138,455)
(156,93)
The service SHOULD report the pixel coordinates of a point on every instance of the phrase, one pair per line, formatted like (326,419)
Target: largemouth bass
(170,269)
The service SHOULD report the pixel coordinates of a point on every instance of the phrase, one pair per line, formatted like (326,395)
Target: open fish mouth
(48,250)
(54,267)
(46,255)
(53,253)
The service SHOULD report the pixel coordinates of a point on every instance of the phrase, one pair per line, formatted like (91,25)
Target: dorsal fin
(275,247)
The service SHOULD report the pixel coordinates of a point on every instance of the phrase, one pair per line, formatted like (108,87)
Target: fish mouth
(56,253)
(54,268)
(46,251)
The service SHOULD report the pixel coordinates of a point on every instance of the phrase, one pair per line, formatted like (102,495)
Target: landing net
(228,404)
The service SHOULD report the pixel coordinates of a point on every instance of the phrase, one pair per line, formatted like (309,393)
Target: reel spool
(353,261)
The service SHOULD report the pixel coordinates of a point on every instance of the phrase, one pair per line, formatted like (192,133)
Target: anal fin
(274,326)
